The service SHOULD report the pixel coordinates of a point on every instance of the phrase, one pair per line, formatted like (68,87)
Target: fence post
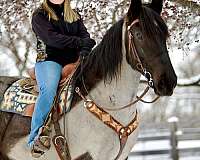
(173,138)
(0,33)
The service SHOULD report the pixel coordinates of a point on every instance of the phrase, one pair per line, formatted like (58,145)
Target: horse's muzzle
(165,87)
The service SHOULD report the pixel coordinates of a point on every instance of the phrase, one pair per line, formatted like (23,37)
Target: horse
(134,45)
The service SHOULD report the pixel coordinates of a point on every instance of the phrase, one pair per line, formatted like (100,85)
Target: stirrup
(36,153)
(40,145)
(44,138)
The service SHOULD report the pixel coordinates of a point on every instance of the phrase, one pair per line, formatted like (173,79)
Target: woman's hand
(88,43)
(86,46)
(85,52)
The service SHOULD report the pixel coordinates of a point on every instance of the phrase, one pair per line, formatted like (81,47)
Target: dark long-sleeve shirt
(60,40)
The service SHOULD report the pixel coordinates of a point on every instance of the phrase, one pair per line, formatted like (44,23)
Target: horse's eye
(138,35)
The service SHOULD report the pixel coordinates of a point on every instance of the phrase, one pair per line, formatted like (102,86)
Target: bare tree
(182,16)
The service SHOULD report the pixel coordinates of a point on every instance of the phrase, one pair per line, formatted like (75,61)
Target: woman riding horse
(102,129)
(61,38)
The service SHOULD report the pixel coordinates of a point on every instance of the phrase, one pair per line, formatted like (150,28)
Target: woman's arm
(88,43)
(83,33)
(45,31)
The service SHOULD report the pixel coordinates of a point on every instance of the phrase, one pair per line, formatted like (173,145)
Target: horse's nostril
(165,87)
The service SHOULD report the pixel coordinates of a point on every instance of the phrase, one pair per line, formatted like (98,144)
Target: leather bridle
(133,51)
(133,54)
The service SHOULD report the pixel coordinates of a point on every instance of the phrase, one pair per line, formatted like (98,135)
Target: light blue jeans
(48,74)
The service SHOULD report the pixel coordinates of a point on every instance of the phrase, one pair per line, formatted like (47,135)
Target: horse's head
(146,45)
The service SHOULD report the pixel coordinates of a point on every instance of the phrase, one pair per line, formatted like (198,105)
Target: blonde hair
(69,14)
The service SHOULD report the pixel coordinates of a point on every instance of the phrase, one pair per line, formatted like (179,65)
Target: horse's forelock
(152,23)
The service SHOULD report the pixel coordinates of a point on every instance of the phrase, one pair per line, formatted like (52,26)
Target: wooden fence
(174,135)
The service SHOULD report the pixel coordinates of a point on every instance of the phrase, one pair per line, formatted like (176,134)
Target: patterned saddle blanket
(22,95)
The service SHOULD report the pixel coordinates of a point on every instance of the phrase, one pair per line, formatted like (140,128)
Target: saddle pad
(24,92)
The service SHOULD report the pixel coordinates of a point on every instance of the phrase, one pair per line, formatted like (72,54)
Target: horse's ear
(157,5)
(134,10)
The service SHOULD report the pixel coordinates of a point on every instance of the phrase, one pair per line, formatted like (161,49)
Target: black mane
(106,58)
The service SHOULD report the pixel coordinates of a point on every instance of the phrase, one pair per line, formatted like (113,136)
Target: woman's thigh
(48,74)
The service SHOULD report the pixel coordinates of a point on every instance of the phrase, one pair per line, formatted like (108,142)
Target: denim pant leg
(48,74)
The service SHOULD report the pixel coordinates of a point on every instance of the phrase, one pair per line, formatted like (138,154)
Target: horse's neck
(118,93)
(121,92)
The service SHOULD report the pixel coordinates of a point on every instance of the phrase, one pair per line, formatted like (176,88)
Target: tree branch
(189,4)
(193,81)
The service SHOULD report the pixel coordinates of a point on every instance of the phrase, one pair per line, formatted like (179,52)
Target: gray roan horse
(111,74)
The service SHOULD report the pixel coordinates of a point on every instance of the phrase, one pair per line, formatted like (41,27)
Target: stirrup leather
(61,146)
